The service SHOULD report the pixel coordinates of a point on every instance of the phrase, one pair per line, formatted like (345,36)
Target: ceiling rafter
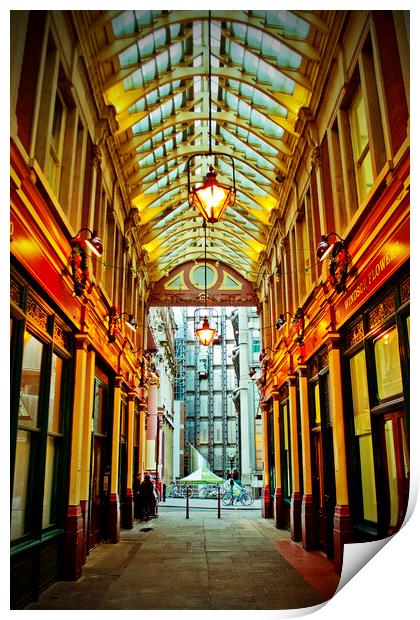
(123,99)
(144,202)
(191,214)
(296,45)
(182,230)
(187,118)
(293,74)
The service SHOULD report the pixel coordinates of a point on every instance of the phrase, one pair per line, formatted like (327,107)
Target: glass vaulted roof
(156,68)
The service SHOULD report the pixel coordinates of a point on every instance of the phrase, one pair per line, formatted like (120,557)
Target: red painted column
(114,502)
(342,520)
(266,504)
(296,498)
(73,544)
(278,494)
(308,510)
(127,510)
(74,553)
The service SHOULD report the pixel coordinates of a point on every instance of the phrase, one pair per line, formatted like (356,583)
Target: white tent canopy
(202,475)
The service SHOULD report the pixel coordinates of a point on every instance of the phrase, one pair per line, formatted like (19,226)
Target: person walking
(146,492)
(137,497)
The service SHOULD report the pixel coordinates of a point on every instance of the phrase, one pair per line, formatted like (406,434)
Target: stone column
(142,438)
(308,512)
(266,506)
(152,426)
(73,528)
(114,507)
(127,515)
(342,522)
(296,499)
(278,495)
(87,446)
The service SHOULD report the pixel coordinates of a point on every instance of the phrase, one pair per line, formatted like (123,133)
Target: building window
(363,434)
(360,144)
(388,368)
(378,365)
(39,451)
(55,154)
(54,442)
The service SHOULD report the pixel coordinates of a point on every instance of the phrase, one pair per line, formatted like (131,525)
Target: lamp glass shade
(324,249)
(206,333)
(95,245)
(131,323)
(212,197)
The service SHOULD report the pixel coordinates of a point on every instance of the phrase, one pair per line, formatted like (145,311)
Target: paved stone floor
(204,562)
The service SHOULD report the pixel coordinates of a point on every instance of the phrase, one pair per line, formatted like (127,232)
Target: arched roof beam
(145,202)
(184,233)
(122,99)
(149,231)
(300,46)
(191,117)
(183,152)
(293,74)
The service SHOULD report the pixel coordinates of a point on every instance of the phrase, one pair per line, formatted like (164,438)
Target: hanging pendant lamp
(212,197)
(205,333)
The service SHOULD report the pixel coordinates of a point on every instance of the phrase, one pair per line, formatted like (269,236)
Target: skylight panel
(135,80)
(124,23)
(176,53)
(142,126)
(146,45)
(145,18)
(162,61)
(236,53)
(250,62)
(129,57)
(156,117)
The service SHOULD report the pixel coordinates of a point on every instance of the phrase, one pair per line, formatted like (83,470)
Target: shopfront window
(362,431)
(38,405)
(54,443)
(378,364)
(30,381)
(388,369)
(21,484)
(392,473)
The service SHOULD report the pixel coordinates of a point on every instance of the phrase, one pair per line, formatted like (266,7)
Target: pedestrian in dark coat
(137,497)
(146,497)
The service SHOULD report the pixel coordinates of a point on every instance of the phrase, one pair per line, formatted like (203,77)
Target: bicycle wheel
(246,499)
(227,498)
(203,493)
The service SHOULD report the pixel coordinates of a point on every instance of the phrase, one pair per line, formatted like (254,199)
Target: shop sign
(394,252)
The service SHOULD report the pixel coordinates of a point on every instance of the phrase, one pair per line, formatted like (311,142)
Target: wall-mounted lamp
(93,242)
(252,372)
(263,353)
(339,260)
(282,320)
(79,270)
(298,319)
(113,323)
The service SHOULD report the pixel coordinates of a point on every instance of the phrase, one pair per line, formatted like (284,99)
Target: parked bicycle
(176,490)
(230,499)
(208,491)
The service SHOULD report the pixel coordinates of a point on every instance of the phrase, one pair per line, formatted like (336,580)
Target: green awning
(202,475)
